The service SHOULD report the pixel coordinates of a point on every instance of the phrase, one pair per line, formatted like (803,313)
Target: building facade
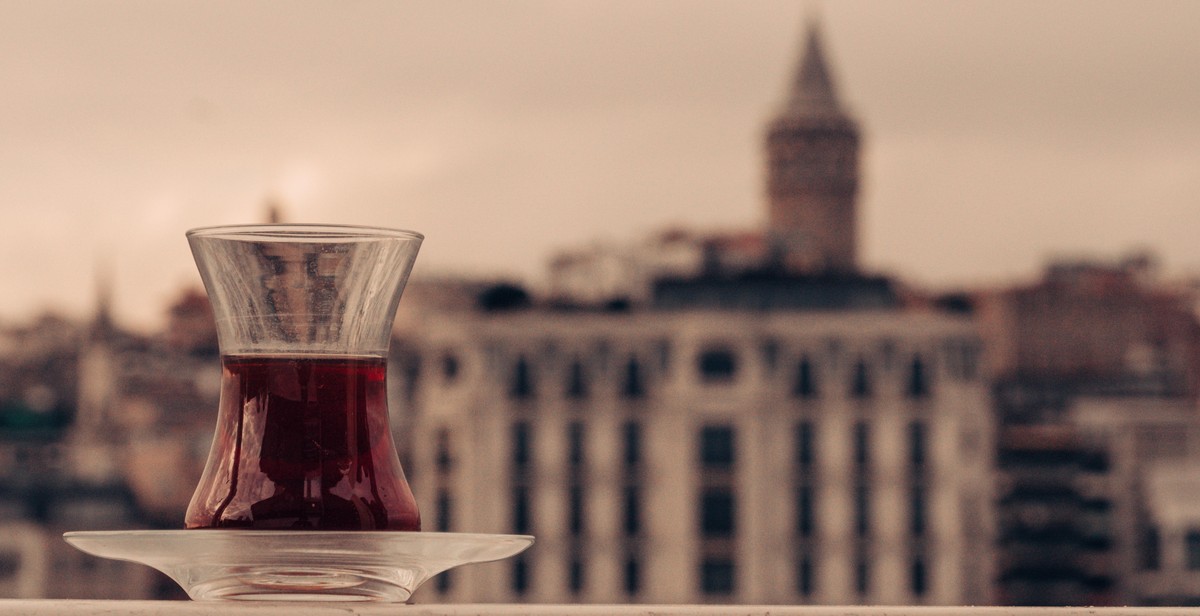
(709,456)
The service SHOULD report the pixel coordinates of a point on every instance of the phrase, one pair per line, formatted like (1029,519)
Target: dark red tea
(303,443)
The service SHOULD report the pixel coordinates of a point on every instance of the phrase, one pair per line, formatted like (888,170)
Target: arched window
(806,379)
(860,385)
(918,379)
(635,384)
(522,380)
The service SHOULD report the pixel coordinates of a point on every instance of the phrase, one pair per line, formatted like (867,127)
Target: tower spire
(812,91)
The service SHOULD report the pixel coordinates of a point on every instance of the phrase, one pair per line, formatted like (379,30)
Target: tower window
(717,365)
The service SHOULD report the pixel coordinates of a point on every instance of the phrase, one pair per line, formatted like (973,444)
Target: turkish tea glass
(304,317)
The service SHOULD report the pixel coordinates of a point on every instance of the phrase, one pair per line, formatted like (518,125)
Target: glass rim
(300,232)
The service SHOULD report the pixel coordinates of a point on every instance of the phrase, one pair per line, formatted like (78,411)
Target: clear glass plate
(298,565)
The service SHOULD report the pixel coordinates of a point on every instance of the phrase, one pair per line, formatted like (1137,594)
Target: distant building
(1152,482)
(710,456)
(1087,331)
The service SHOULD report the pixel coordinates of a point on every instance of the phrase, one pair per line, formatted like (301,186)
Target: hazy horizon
(996,134)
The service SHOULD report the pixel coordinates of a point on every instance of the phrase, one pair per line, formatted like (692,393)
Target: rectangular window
(575,444)
(717,576)
(633,445)
(717,447)
(804,576)
(520,575)
(444,582)
(1193,549)
(805,454)
(520,513)
(916,444)
(575,513)
(633,577)
(575,576)
(717,513)
(917,511)
(862,576)
(804,511)
(1151,552)
(443,459)
(633,511)
(521,446)
(862,442)
(919,584)
(862,510)
(444,511)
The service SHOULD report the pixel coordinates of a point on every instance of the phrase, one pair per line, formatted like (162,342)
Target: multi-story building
(710,455)
(1151,483)
(1100,332)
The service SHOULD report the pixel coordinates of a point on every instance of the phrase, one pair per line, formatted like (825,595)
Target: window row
(521,448)
(520,574)
(720,368)
(718,575)
(717,447)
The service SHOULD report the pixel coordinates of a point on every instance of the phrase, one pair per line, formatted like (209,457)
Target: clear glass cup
(304,318)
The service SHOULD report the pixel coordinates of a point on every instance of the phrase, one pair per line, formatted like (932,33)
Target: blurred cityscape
(738,416)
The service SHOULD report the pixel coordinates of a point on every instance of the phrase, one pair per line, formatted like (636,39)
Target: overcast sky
(996,133)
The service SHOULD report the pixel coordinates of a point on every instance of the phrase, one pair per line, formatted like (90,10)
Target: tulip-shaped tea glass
(304,316)
(302,490)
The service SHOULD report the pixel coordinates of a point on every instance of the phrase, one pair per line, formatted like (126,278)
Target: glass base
(249,565)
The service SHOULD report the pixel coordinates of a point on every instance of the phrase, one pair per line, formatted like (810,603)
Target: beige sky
(997,133)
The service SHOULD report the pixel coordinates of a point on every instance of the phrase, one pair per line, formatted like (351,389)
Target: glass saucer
(298,565)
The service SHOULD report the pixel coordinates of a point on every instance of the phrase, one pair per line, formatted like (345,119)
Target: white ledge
(188,608)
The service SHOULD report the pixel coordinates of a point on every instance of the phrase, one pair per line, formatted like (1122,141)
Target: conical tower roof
(812,93)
